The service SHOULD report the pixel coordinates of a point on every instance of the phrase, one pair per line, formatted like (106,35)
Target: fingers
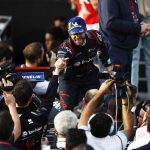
(105,87)
(145,29)
(61,62)
(147,33)
(6,82)
(6,95)
(9,99)
(65,59)
(109,81)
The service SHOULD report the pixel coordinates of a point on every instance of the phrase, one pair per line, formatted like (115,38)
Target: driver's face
(78,38)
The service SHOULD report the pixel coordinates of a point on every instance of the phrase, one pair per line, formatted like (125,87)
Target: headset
(112,124)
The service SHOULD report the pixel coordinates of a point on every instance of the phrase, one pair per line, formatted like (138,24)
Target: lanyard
(134,16)
(5,143)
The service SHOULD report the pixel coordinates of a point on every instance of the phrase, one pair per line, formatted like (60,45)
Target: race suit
(80,74)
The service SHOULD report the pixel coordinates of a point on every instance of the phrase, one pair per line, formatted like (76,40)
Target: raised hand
(105,87)
(9,99)
(60,65)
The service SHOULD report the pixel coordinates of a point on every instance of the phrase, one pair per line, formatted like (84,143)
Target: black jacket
(117,24)
(32,122)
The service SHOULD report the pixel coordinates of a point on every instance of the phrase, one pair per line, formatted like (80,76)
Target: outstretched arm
(10,102)
(127,115)
(89,109)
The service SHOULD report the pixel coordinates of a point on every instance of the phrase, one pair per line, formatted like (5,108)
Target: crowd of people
(88,113)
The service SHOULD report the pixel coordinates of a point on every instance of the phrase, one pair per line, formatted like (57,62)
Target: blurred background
(25,21)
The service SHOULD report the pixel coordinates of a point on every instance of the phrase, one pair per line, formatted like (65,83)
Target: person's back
(33,55)
(32,129)
(32,122)
(101,139)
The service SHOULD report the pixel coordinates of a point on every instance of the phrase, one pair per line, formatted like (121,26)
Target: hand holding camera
(6,85)
(105,87)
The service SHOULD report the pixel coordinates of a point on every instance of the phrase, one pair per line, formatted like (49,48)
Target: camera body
(120,81)
(8,72)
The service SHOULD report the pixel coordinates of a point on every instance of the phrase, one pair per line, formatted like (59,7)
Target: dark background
(30,19)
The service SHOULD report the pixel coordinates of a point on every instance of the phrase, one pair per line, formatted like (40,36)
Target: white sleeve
(84,127)
(123,138)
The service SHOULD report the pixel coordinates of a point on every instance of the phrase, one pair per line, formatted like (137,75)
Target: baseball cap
(76,25)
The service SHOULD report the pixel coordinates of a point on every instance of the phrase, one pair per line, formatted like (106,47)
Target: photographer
(32,122)
(100,125)
(142,134)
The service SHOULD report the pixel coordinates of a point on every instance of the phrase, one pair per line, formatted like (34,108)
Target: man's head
(53,38)
(60,21)
(76,30)
(64,121)
(22,92)
(101,125)
(140,111)
(6,125)
(74,138)
(89,95)
(33,54)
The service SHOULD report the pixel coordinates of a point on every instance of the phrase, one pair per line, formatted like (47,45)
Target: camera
(120,81)
(8,72)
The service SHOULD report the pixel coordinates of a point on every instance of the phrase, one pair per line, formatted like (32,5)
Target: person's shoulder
(145,147)
(94,34)
(65,43)
(139,144)
(121,133)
